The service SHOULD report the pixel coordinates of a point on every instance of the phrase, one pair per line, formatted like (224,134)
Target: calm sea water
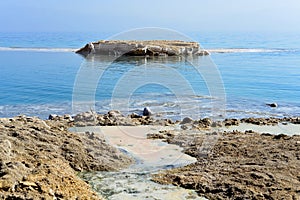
(38,71)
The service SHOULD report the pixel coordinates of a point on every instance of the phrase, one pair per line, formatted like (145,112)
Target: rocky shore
(142,48)
(40,158)
(116,118)
(241,165)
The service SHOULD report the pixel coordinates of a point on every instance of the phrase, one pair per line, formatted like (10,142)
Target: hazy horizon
(185,16)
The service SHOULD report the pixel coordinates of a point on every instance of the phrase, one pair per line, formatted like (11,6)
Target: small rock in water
(273,105)
(186,120)
(147,112)
(52,117)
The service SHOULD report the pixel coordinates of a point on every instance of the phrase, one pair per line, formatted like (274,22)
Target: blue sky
(118,15)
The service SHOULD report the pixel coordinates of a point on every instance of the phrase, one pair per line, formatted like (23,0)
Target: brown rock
(240,166)
(37,157)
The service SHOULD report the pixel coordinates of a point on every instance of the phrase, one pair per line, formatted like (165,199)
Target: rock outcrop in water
(142,48)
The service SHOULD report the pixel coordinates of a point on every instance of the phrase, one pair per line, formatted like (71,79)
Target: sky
(118,15)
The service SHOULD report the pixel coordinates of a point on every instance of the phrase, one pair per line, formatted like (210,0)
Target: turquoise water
(38,71)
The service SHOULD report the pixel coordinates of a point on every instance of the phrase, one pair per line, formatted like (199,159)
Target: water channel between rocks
(150,156)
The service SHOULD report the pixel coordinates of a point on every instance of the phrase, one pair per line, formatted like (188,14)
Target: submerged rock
(142,48)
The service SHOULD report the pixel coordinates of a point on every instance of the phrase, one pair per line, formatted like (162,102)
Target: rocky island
(142,48)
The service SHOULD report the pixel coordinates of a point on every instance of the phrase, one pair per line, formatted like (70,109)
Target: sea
(40,74)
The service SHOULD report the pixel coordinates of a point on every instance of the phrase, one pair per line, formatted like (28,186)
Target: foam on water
(248,50)
(38,49)
(161,106)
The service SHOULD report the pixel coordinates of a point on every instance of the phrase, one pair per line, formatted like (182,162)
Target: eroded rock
(241,165)
(38,156)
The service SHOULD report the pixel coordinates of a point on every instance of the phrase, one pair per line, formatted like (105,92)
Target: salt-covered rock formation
(142,48)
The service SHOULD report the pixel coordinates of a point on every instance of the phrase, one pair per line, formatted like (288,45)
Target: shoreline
(33,149)
(241,165)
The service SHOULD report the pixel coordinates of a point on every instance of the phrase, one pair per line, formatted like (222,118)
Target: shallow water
(150,155)
(124,185)
(38,71)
